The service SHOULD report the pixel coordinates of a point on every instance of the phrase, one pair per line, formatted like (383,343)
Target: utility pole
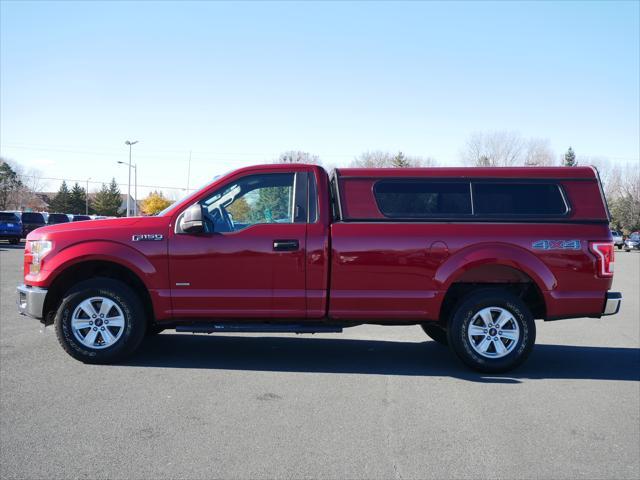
(135,191)
(189,172)
(131,144)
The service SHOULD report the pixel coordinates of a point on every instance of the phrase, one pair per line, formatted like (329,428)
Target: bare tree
(298,156)
(373,159)
(625,206)
(621,185)
(538,153)
(381,159)
(494,149)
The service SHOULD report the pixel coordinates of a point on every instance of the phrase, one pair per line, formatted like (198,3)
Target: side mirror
(192,219)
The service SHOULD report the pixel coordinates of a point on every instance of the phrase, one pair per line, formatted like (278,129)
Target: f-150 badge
(556,245)
(153,237)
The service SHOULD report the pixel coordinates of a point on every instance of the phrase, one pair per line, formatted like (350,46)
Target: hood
(90,229)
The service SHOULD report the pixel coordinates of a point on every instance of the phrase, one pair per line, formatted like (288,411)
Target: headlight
(38,249)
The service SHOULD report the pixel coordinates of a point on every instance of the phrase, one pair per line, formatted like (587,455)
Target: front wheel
(100,321)
(492,331)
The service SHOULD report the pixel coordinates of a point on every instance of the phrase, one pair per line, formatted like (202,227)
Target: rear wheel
(436,332)
(100,321)
(492,331)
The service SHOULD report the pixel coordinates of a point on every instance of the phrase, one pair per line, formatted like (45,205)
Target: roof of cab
(473,172)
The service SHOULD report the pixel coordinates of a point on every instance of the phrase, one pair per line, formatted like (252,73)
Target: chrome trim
(31,301)
(612,303)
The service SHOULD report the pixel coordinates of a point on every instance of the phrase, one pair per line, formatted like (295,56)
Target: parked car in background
(54,218)
(10,227)
(31,221)
(633,242)
(80,218)
(618,239)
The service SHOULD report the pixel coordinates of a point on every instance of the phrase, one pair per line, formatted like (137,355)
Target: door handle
(285,245)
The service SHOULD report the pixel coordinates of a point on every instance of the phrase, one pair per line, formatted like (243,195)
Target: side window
(254,199)
(422,199)
(537,199)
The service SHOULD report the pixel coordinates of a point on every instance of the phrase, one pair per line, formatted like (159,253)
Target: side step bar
(258,328)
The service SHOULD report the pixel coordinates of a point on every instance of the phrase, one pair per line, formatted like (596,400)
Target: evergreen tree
(570,158)
(62,201)
(9,183)
(400,161)
(107,201)
(272,205)
(78,200)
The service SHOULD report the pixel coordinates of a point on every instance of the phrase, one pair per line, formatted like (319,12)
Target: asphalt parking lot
(374,402)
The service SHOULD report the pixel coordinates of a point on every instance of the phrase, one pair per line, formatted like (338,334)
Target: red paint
(364,271)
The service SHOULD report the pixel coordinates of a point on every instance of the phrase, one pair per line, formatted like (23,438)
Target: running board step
(258,328)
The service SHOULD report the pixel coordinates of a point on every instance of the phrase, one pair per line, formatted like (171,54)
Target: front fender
(494,254)
(94,250)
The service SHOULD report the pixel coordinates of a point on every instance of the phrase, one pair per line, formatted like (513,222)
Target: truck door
(250,261)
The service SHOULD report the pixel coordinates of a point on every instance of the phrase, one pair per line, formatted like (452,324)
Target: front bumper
(31,301)
(612,303)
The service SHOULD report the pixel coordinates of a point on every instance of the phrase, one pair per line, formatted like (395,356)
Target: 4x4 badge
(556,245)
(147,237)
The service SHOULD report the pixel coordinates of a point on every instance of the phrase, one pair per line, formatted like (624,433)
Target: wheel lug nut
(500,332)
(495,338)
(488,338)
(101,328)
(90,323)
(485,330)
(95,329)
(93,316)
(106,322)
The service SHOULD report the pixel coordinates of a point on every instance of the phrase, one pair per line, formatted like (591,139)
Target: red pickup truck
(473,255)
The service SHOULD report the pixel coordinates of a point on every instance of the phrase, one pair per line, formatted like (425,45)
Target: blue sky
(237,83)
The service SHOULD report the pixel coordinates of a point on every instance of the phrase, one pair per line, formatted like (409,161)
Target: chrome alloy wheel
(97,322)
(493,332)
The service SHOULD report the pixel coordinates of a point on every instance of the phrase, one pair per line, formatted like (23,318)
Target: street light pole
(135,191)
(86,198)
(131,144)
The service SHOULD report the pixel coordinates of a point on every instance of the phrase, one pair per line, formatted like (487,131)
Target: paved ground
(376,402)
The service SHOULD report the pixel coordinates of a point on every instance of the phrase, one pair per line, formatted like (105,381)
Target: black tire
(126,300)
(436,332)
(154,330)
(466,313)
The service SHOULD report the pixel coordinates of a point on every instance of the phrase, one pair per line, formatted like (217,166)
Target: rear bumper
(612,303)
(31,301)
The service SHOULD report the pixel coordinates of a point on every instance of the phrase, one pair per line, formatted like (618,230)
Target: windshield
(170,208)
(32,217)
(57,218)
(8,217)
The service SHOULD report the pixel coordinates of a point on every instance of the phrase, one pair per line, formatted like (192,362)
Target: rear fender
(506,255)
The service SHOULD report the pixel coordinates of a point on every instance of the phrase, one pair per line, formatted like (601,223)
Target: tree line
(490,149)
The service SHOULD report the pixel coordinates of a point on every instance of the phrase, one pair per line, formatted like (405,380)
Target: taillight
(604,254)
